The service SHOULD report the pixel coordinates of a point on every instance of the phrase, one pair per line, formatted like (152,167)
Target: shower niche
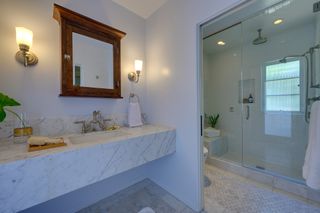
(247,91)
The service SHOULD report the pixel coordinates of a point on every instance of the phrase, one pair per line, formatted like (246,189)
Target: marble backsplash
(55,126)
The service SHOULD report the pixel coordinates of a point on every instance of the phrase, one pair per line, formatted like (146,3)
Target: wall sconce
(134,76)
(24,41)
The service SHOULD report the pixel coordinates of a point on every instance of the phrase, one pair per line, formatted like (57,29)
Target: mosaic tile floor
(230,193)
(138,196)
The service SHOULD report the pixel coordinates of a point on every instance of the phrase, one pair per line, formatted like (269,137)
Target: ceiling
(143,8)
(295,14)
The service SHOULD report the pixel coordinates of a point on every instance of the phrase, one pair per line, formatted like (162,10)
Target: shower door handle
(248,112)
(201,126)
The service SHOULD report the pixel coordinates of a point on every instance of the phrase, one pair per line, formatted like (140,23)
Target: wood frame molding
(70,22)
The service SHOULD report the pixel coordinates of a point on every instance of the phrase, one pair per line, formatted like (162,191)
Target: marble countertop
(10,152)
(31,178)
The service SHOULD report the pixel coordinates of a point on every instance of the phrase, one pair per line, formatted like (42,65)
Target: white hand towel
(311,167)
(134,115)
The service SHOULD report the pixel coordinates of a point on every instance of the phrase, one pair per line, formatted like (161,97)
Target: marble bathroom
(155,106)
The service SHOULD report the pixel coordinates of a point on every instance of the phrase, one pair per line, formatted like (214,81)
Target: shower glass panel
(256,79)
(275,133)
(222,74)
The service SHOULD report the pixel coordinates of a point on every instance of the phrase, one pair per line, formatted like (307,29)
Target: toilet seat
(205,153)
(205,150)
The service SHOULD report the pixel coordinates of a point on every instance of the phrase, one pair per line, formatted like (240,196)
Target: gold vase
(21,135)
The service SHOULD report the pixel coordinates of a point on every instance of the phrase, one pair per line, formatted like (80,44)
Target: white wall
(38,87)
(171,49)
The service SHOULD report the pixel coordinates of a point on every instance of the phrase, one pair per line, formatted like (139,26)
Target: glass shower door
(255,78)
(274,89)
(222,72)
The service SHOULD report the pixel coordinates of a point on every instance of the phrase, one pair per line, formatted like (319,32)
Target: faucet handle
(99,115)
(96,114)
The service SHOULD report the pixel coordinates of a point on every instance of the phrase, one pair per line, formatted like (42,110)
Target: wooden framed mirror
(90,54)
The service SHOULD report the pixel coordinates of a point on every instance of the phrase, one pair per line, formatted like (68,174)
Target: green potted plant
(6,101)
(212,121)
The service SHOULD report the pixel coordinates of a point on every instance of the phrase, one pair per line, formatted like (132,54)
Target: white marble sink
(97,136)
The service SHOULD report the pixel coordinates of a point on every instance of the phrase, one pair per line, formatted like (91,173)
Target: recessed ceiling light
(221,43)
(278,21)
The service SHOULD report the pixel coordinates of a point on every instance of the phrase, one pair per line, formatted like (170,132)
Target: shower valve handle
(248,112)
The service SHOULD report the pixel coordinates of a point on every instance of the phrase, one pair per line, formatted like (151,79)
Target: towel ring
(133,97)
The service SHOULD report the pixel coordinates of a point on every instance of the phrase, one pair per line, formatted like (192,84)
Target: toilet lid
(205,150)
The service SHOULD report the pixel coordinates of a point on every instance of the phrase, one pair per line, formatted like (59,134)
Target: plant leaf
(2,114)
(6,101)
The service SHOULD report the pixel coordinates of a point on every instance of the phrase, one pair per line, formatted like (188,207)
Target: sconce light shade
(134,76)
(24,40)
(24,36)
(138,65)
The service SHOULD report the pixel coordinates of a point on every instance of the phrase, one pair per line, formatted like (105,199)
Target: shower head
(260,39)
(285,59)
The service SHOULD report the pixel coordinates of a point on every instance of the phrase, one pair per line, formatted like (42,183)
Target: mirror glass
(92,62)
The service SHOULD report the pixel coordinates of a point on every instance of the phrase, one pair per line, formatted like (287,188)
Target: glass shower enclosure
(261,76)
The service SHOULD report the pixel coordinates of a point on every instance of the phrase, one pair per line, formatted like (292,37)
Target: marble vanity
(30,178)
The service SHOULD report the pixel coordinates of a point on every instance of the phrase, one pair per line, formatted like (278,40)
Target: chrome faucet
(97,119)
(86,127)
(91,126)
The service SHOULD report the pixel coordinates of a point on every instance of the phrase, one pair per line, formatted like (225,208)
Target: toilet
(207,181)
(205,154)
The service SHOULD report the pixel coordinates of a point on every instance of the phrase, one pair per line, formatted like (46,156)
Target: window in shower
(282,87)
